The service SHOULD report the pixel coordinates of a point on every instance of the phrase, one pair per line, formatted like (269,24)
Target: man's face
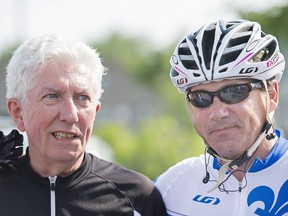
(59,113)
(230,129)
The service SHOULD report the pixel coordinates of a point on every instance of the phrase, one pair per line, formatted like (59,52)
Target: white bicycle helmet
(226,50)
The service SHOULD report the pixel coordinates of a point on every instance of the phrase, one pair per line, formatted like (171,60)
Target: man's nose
(69,112)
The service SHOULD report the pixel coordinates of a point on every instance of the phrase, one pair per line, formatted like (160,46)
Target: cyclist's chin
(224,137)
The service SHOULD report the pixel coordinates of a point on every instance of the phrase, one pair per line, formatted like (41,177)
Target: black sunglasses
(229,95)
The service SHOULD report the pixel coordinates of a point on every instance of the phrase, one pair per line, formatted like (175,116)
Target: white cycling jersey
(264,190)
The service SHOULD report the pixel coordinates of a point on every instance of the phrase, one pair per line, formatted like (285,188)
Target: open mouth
(62,135)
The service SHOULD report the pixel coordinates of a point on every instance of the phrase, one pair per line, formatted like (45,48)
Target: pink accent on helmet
(243,59)
(180,71)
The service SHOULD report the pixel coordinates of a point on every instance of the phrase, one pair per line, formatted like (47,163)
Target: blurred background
(143,123)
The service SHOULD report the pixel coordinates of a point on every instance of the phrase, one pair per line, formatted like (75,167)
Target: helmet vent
(235,45)
(229,57)
(239,38)
(207,46)
(265,53)
(223,70)
(186,57)
(174,73)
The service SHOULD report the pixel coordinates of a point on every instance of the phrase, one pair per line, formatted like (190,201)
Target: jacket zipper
(52,180)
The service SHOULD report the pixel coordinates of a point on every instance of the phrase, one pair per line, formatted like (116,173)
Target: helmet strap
(235,164)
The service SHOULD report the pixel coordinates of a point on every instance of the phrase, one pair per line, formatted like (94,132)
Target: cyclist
(229,72)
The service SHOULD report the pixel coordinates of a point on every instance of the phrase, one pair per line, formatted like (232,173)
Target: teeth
(60,135)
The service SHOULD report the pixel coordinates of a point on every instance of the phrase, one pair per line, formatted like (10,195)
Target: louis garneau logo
(206,199)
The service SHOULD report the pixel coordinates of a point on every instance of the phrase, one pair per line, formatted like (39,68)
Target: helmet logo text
(248,70)
(182,81)
(273,60)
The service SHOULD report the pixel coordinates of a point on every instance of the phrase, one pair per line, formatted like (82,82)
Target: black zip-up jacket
(97,188)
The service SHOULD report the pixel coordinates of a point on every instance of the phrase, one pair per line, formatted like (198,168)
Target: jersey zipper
(240,187)
(52,180)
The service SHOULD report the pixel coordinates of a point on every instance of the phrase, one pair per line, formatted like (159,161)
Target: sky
(160,21)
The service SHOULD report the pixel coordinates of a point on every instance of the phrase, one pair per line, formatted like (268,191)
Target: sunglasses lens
(200,99)
(229,95)
(234,94)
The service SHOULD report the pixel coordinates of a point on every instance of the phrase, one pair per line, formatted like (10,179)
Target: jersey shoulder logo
(273,206)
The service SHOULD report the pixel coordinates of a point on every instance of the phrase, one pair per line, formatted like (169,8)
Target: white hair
(31,57)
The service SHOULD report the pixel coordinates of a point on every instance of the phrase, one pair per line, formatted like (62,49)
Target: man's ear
(98,106)
(15,111)
(273,91)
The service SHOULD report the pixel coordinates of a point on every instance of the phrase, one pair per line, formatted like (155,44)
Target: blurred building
(126,101)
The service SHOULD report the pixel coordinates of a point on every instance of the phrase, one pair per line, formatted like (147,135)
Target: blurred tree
(273,20)
(142,62)
(156,145)
(6,55)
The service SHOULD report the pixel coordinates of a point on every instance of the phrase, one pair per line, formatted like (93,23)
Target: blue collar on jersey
(276,153)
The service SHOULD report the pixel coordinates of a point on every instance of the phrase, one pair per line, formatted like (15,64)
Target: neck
(55,168)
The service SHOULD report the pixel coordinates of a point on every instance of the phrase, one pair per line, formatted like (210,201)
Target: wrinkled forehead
(56,70)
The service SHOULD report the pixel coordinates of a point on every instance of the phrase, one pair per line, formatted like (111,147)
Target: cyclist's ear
(273,91)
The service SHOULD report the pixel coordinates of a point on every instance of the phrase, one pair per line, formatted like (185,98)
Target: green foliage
(158,144)
(125,53)
(5,56)
(146,65)
(136,57)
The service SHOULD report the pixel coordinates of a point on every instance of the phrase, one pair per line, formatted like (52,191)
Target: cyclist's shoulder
(189,163)
(185,169)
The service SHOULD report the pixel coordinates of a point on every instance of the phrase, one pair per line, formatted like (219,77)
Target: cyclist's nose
(218,109)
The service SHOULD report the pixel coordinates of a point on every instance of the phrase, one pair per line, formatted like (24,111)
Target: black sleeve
(138,189)
(152,205)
